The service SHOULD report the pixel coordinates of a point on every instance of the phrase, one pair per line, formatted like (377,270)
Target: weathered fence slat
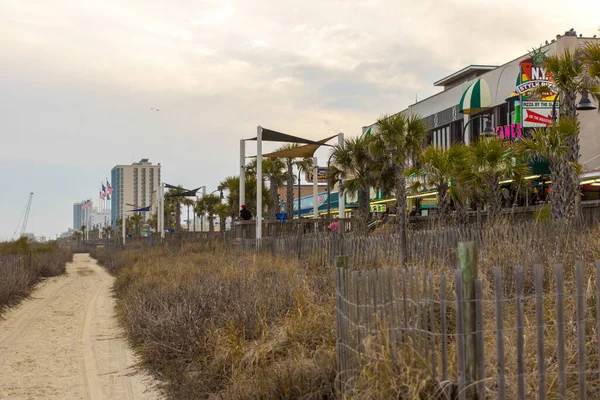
(391,308)
(432,327)
(417,301)
(479,339)
(424,317)
(539,322)
(520,336)
(357,301)
(598,311)
(499,331)
(460,339)
(397,301)
(560,328)
(581,330)
(467,260)
(444,343)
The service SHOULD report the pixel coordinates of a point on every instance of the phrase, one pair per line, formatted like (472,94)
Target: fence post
(467,261)
(341,267)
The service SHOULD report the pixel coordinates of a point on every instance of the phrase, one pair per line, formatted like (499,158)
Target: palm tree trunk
(211,223)
(494,200)
(363,209)
(560,197)
(442,203)
(289,189)
(274,189)
(401,210)
(568,109)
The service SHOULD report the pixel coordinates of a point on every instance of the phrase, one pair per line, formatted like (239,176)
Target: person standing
(245,214)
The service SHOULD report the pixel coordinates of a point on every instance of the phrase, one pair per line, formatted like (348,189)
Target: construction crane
(24,218)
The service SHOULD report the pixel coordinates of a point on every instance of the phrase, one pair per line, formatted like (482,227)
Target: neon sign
(508,132)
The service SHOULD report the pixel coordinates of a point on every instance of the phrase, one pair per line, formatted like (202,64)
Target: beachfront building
(499,100)
(134,186)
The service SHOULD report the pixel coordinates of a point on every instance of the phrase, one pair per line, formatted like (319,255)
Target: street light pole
(488,131)
(329,189)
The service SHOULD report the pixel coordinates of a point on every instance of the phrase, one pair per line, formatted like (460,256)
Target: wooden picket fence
(424,246)
(506,344)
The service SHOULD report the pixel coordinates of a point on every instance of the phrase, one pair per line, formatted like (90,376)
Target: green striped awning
(476,98)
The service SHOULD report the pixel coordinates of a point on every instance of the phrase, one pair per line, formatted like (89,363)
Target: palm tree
(186,201)
(231,185)
(301,164)
(437,165)
(222,210)
(136,220)
(251,189)
(398,141)
(107,231)
(571,74)
(491,161)
(590,56)
(273,170)
(354,169)
(554,144)
(173,203)
(208,205)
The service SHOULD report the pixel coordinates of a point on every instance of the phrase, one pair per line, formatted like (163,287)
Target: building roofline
(465,71)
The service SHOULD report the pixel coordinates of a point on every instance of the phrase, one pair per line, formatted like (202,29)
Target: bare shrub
(214,325)
(22,266)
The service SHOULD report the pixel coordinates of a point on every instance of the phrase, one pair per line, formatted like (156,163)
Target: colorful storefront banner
(537,90)
(321,175)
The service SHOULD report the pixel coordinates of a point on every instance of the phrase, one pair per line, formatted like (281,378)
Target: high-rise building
(79,215)
(133,184)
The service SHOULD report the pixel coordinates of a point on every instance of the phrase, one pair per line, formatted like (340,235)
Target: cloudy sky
(78,79)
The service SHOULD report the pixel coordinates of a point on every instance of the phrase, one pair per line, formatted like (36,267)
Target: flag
(107,196)
(102,195)
(103,188)
(109,188)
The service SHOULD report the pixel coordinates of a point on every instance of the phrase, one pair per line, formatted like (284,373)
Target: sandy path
(65,343)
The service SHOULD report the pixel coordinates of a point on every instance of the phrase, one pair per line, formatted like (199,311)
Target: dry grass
(215,326)
(22,267)
(385,371)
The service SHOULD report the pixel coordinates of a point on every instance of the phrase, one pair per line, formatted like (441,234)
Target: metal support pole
(242,173)
(259,182)
(341,200)
(203,216)
(315,189)
(162,210)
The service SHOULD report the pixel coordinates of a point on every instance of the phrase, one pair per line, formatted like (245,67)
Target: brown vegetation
(217,325)
(23,265)
(214,325)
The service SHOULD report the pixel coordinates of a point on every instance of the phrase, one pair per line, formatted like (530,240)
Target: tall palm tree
(491,161)
(437,165)
(208,205)
(173,203)
(354,168)
(231,185)
(398,142)
(274,170)
(590,56)
(571,77)
(136,220)
(251,186)
(554,144)
(188,202)
(299,163)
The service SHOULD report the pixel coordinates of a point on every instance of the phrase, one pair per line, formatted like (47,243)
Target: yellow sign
(378,208)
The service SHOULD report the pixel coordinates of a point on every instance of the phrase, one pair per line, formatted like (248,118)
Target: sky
(78,80)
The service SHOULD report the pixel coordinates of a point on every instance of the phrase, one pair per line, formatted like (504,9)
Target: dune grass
(23,265)
(211,325)
(214,324)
